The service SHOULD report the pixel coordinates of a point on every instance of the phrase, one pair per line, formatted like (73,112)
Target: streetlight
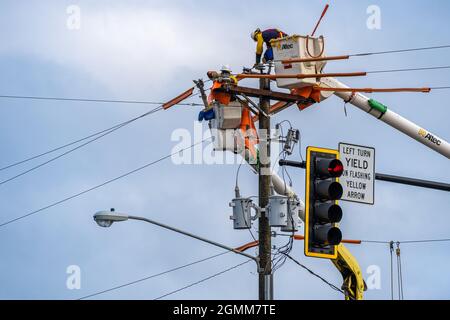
(106,218)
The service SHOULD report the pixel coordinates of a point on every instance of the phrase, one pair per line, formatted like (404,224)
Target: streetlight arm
(195,237)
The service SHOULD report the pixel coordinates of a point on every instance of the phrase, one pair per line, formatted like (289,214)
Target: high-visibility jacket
(265,37)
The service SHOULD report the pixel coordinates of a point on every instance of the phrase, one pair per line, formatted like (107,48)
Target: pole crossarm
(267,94)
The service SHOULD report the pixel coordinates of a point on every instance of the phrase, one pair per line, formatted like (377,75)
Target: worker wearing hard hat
(262,37)
(219,79)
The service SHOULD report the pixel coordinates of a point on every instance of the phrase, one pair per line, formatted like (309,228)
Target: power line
(391,251)
(407,241)
(203,280)
(375,241)
(91,100)
(398,51)
(424,241)
(439,88)
(57,148)
(112,129)
(115,128)
(332,286)
(152,276)
(98,186)
(399,272)
(408,69)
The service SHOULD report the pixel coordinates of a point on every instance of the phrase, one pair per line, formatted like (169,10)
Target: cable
(91,135)
(400,271)
(391,250)
(332,286)
(408,242)
(425,241)
(398,51)
(409,69)
(97,186)
(58,148)
(203,280)
(80,146)
(91,100)
(152,276)
(439,88)
(375,241)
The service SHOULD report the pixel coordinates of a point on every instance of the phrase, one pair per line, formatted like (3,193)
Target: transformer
(242,218)
(293,216)
(277,211)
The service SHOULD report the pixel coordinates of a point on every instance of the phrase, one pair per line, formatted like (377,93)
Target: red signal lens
(336,168)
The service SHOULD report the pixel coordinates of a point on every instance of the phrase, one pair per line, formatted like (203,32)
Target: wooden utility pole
(265,277)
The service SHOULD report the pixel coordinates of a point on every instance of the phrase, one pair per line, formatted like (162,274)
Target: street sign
(358,178)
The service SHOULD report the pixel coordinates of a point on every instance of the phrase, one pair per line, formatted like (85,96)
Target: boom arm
(389,117)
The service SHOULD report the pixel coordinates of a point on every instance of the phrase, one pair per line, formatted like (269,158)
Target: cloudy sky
(151,50)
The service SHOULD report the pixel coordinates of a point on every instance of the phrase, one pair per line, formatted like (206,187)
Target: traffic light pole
(265,274)
(385,177)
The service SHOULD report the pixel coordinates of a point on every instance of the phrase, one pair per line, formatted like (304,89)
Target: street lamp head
(106,218)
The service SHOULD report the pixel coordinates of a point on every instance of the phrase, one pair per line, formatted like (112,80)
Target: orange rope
(299,237)
(247,246)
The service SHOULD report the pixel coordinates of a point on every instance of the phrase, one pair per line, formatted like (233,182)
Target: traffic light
(322,211)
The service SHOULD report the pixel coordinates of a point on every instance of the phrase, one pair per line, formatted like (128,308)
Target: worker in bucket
(219,79)
(261,37)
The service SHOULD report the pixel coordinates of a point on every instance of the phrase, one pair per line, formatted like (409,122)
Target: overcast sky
(151,50)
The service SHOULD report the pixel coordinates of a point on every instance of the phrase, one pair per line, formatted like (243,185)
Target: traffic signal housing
(322,210)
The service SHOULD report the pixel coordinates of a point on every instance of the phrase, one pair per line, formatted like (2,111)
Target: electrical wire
(408,69)
(152,276)
(96,136)
(399,273)
(203,280)
(332,286)
(93,134)
(424,241)
(79,147)
(440,88)
(91,100)
(391,251)
(58,148)
(98,186)
(398,51)
(408,241)
(375,241)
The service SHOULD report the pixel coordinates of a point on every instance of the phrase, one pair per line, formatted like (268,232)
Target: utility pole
(265,274)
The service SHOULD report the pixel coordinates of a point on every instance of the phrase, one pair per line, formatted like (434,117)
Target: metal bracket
(261,111)
(201,86)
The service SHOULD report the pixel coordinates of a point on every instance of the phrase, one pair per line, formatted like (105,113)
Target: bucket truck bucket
(298,47)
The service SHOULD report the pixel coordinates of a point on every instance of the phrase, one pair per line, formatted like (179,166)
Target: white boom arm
(391,118)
